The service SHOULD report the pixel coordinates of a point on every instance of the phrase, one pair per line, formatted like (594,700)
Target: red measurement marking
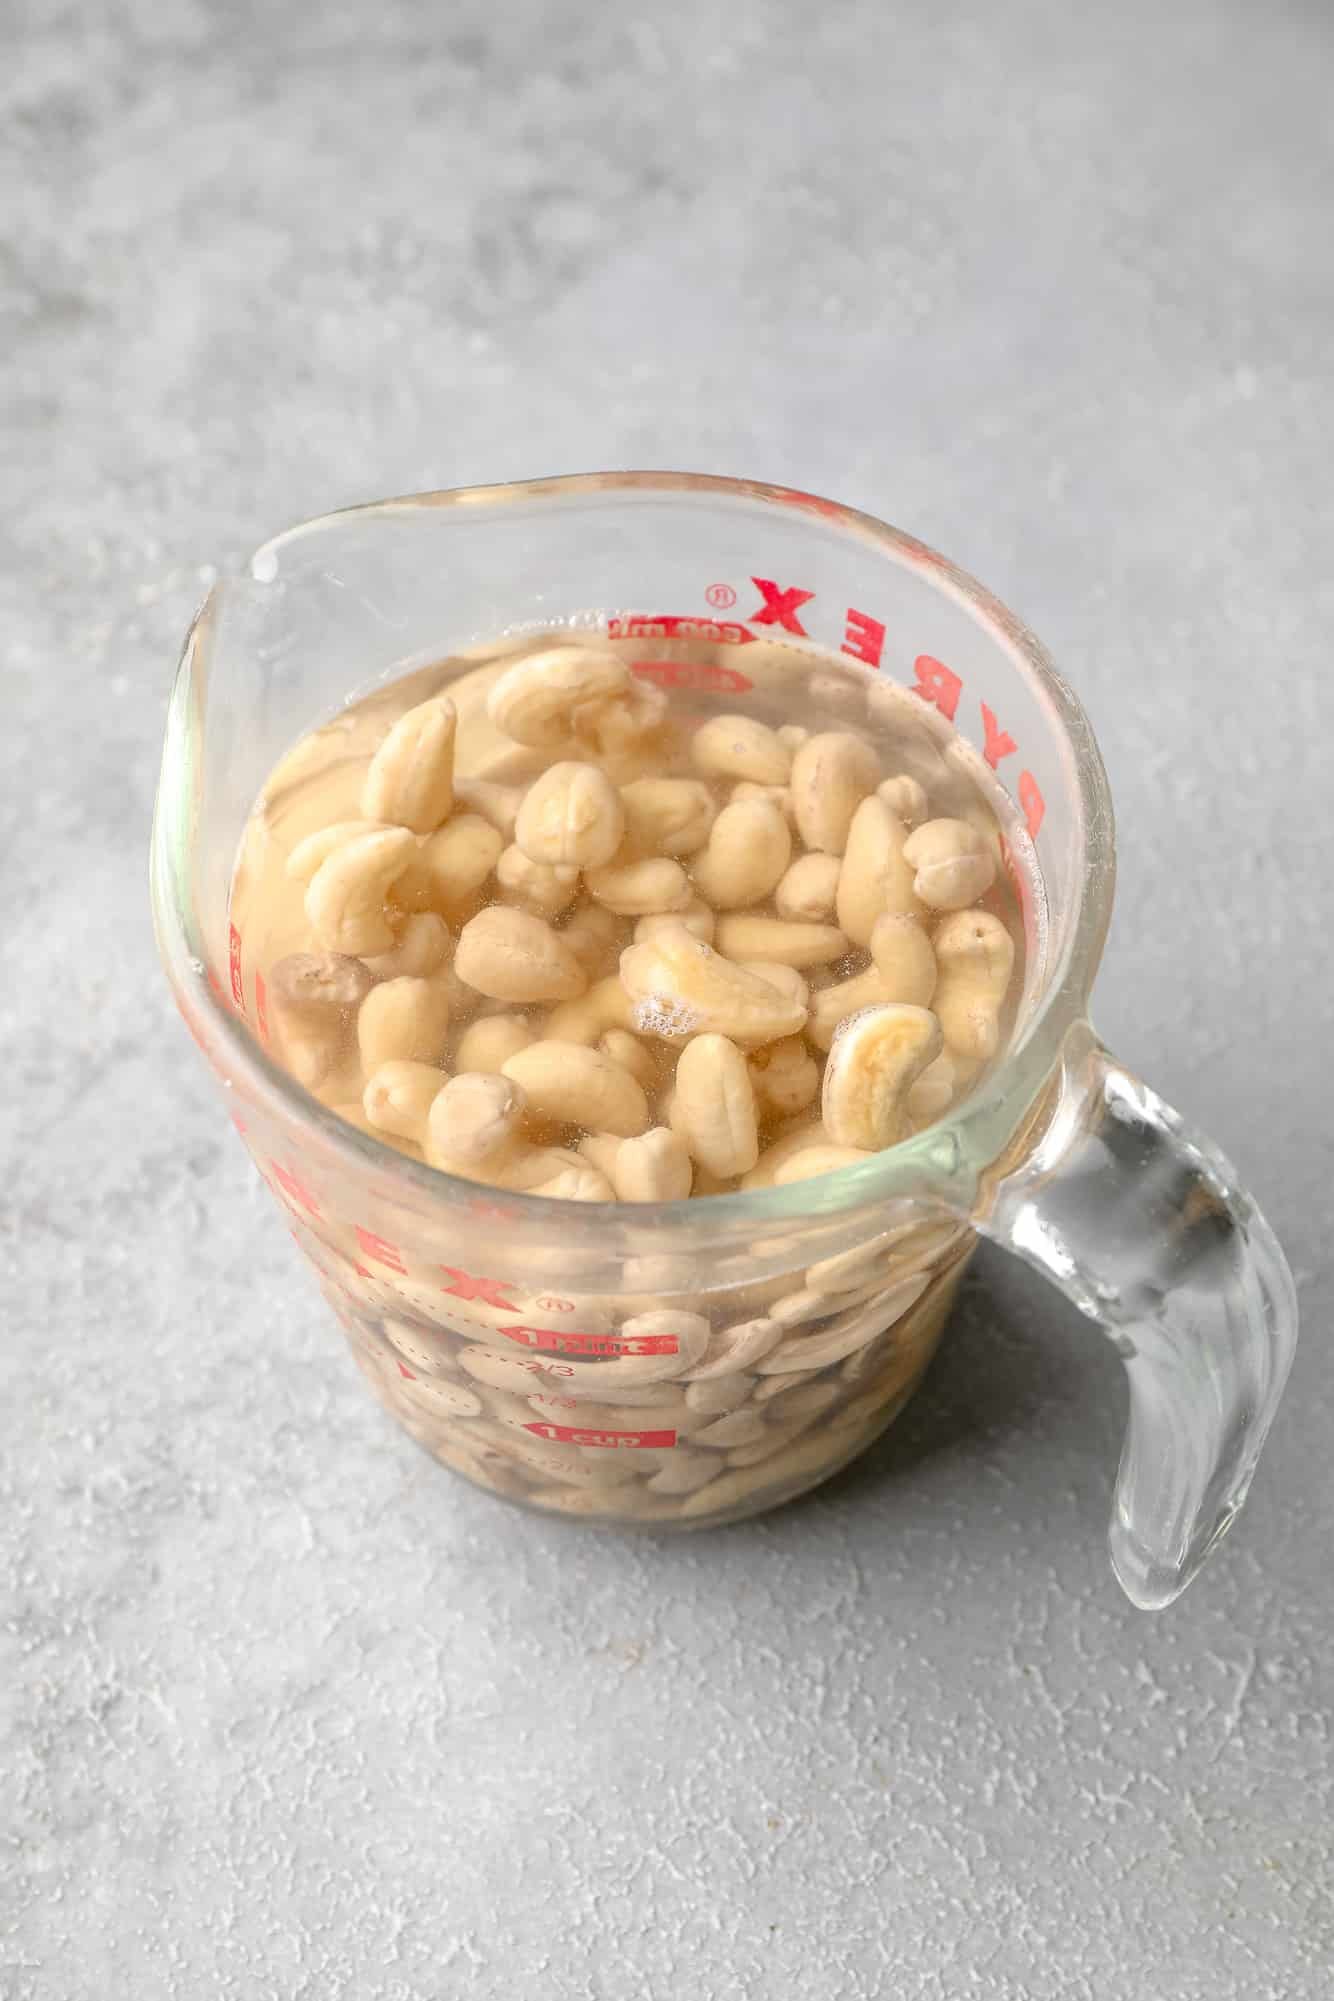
(721,596)
(780,606)
(674,625)
(491,1290)
(381,1250)
(234,967)
(570,1434)
(550,1302)
(565,1341)
(1031,803)
(694,674)
(290,1188)
(937,683)
(998,744)
(406,1373)
(863,637)
(261,1006)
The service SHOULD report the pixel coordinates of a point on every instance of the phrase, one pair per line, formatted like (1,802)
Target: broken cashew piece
(654,1167)
(571,817)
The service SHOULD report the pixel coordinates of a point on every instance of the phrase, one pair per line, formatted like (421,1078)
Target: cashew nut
(399,1095)
(905,798)
(571,817)
(831,774)
(809,890)
(952,864)
(902,954)
(873,1061)
(542,887)
(667,816)
(347,896)
(654,1167)
(697,917)
(875,877)
(535,700)
(745,935)
(975,958)
(450,866)
(487,1044)
(510,955)
(785,1076)
(740,747)
(577,1086)
(639,888)
(411,777)
(748,850)
(678,985)
(714,1105)
(423,945)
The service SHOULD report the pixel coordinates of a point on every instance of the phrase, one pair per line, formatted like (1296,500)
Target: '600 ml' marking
(565,1341)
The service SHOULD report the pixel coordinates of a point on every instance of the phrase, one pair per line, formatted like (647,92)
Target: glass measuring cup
(605,1360)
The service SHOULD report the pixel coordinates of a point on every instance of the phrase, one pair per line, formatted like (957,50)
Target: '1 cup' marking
(570,1434)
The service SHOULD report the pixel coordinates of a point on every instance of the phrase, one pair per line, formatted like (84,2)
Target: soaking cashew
(576,1184)
(778,796)
(747,853)
(403,1020)
(411,778)
(809,890)
(785,1077)
(498,805)
(605,1005)
(450,866)
(740,747)
(578,1086)
(654,1167)
(933,1092)
(697,917)
(667,816)
(745,935)
(346,900)
(874,877)
(474,1120)
(905,798)
(600,1150)
(618,1045)
(831,774)
(571,817)
(541,887)
(832,1005)
(902,955)
(399,1095)
(535,700)
(952,864)
(510,955)
(422,946)
(873,1061)
(307,855)
(318,990)
(975,958)
(786,978)
(814,1160)
(486,1045)
(714,1105)
(679,985)
(595,936)
(639,888)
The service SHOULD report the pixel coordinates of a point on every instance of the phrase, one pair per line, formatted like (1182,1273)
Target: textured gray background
(286,1713)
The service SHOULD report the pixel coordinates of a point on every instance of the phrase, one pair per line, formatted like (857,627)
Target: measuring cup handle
(1141,1222)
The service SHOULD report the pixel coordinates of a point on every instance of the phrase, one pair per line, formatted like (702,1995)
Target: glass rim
(985,1116)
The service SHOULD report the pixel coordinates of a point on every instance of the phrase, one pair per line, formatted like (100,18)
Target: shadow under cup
(694,1362)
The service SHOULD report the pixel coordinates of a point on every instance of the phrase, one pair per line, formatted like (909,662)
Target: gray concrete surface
(284,1712)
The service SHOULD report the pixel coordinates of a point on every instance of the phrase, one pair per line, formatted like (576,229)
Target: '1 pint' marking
(565,1341)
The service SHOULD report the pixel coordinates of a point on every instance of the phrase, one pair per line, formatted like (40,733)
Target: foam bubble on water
(663,1014)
